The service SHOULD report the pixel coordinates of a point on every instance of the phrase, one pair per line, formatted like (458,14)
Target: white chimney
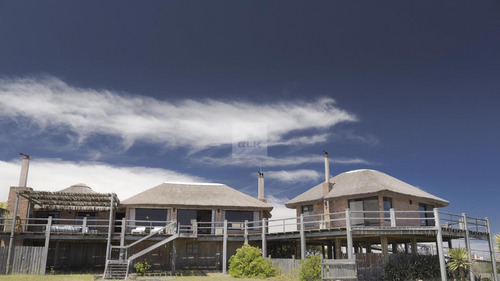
(260,193)
(25,164)
(327,168)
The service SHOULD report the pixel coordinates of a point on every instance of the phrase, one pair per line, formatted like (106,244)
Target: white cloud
(50,105)
(282,217)
(270,161)
(294,176)
(55,174)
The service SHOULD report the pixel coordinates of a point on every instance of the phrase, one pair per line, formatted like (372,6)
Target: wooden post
(122,239)
(338,248)
(492,250)
(393,217)
(224,249)
(467,243)
(349,233)
(246,231)
(84,225)
(110,226)
(302,238)
(12,233)
(394,247)
(173,257)
(264,242)
(368,246)
(330,250)
(439,238)
(413,242)
(46,248)
(385,248)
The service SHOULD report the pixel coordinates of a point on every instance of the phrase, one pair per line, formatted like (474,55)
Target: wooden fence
(25,260)
(339,270)
(288,267)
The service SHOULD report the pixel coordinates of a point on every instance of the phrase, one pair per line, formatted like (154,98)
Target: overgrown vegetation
(142,267)
(310,270)
(402,267)
(248,262)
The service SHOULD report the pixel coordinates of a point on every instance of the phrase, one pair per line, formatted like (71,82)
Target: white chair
(157,230)
(139,230)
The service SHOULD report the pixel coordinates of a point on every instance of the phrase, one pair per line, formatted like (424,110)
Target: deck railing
(319,222)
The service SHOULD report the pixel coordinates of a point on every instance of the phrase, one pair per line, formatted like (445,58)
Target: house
(369,194)
(200,205)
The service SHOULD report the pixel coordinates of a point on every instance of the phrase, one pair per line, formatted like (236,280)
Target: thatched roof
(196,195)
(364,183)
(74,201)
(78,188)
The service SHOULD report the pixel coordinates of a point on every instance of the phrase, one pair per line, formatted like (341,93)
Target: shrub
(248,262)
(406,267)
(142,267)
(310,269)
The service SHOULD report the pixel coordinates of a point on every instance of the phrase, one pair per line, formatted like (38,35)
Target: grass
(90,277)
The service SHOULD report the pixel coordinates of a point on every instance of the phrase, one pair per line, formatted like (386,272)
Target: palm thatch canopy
(364,183)
(71,201)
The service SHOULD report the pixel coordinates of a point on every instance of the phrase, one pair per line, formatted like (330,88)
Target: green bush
(142,267)
(248,262)
(310,270)
(402,267)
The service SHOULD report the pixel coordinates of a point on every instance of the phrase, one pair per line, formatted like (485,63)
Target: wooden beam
(439,238)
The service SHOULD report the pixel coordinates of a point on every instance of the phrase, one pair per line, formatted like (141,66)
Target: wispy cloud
(50,105)
(55,174)
(294,176)
(280,212)
(270,161)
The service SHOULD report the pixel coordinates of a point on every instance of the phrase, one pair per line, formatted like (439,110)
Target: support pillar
(224,249)
(122,239)
(413,243)
(338,248)
(467,243)
(385,248)
(394,247)
(173,257)
(349,233)
(46,247)
(492,250)
(330,250)
(302,238)
(368,247)
(439,238)
(264,242)
(246,231)
(110,228)
(12,233)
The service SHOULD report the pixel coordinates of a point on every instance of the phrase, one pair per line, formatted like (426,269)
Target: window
(46,214)
(307,210)
(387,208)
(191,248)
(427,217)
(153,217)
(237,218)
(91,217)
(361,211)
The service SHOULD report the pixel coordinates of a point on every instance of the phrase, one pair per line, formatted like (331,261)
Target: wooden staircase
(119,269)
(116,270)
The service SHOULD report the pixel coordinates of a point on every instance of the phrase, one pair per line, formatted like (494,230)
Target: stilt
(439,238)
(413,243)
(385,247)
(338,248)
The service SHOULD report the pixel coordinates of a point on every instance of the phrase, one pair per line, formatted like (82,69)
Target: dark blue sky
(421,77)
